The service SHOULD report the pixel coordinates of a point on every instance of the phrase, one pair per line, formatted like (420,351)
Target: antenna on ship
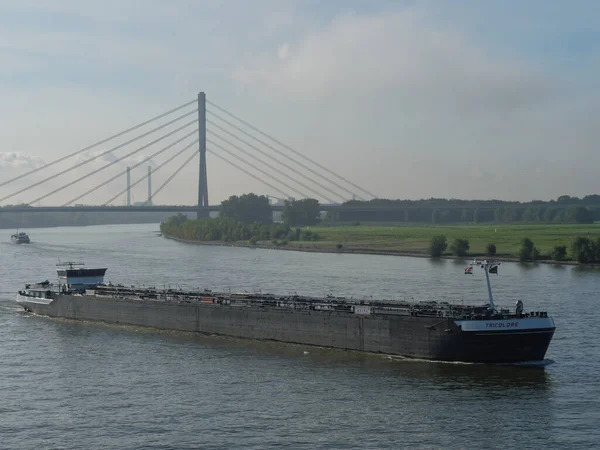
(69,263)
(488,267)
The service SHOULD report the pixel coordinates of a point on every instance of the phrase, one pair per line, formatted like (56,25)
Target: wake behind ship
(427,330)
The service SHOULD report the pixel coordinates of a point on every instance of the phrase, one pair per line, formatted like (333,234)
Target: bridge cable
(164,149)
(270,166)
(214,144)
(292,150)
(103,141)
(274,159)
(266,183)
(156,169)
(101,154)
(143,147)
(155,193)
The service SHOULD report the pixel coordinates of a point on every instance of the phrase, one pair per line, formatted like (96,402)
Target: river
(72,385)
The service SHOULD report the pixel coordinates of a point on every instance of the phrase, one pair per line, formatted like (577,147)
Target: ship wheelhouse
(79,278)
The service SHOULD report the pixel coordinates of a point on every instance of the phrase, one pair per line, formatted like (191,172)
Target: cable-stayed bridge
(180,138)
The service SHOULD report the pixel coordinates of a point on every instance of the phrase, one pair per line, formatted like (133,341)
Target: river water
(72,385)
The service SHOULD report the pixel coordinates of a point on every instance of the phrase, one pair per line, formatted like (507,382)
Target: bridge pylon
(202,179)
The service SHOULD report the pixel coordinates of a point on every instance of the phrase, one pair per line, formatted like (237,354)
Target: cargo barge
(426,330)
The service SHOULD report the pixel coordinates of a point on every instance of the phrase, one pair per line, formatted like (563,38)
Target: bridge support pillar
(202,179)
(202,213)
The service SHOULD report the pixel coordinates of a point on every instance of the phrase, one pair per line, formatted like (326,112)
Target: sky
(469,99)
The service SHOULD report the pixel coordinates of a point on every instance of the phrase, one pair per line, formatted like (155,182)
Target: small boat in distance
(20,238)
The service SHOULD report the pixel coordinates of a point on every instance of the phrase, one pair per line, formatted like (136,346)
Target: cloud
(132,11)
(283,51)
(399,54)
(408,106)
(409,102)
(51,123)
(19,161)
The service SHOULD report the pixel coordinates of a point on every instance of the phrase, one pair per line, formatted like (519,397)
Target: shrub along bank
(228,229)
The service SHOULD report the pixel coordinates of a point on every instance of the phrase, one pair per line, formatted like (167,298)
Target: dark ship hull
(20,238)
(378,327)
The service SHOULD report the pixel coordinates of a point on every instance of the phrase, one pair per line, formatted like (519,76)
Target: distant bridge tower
(202,180)
(128,186)
(149,202)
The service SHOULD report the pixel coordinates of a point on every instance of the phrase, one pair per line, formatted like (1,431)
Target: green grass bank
(415,239)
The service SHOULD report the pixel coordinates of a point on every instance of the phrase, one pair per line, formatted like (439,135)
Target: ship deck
(328,303)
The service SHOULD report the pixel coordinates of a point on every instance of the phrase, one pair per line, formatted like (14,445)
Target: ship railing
(391,310)
(428,308)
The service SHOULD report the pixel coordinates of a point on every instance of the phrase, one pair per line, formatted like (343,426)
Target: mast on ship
(487,268)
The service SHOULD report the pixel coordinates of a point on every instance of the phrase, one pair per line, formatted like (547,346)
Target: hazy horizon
(408,99)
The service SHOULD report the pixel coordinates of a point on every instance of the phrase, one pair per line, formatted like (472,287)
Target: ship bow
(504,341)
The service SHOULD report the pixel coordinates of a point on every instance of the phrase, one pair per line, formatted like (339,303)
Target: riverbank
(314,247)
(416,238)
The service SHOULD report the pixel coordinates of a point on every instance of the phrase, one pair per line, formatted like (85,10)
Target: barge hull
(404,335)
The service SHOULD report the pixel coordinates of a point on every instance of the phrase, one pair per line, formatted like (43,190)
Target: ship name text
(502,324)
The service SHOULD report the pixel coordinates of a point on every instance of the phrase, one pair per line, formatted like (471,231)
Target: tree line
(228,229)
(563,200)
(564,209)
(584,250)
(252,208)
(249,218)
